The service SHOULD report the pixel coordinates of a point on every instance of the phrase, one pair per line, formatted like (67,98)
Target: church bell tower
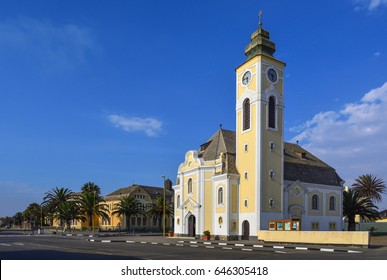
(259,134)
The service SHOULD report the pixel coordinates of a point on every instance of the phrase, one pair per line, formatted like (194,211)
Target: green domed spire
(260,42)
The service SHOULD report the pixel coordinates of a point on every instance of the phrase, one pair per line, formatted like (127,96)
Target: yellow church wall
(189,163)
(193,177)
(272,160)
(296,200)
(249,65)
(208,175)
(278,86)
(189,207)
(246,162)
(209,163)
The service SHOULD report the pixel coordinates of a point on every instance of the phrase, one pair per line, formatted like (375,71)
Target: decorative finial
(220,126)
(260,18)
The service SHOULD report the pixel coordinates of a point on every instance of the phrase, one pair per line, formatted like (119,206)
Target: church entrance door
(191,226)
(245,230)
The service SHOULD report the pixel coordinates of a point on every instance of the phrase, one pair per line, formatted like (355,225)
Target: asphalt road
(52,247)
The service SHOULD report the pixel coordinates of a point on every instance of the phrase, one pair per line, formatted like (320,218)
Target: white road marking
(327,250)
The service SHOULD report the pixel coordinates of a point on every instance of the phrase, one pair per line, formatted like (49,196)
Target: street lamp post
(163,206)
(41,219)
(92,215)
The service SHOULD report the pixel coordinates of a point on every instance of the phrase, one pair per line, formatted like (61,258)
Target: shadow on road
(58,255)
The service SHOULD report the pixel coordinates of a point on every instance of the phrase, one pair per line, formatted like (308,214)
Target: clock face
(246,78)
(272,75)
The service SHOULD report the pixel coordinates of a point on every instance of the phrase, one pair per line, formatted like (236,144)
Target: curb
(240,246)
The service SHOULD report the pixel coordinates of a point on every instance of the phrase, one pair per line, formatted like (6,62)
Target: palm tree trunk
(351,224)
(127,223)
(160,221)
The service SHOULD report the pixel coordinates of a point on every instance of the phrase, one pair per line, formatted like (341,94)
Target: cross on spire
(260,18)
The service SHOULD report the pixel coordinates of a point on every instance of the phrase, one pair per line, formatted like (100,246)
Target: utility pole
(163,206)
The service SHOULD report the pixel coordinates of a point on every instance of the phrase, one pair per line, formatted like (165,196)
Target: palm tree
(128,206)
(68,211)
(91,204)
(90,187)
(33,214)
(156,210)
(55,197)
(18,218)
(356,204)
(370,186)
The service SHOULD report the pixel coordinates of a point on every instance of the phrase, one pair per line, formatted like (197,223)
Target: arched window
(220,196)
(315,202)
(272,119)
(178,201)
(332,203)
(246,114)
(189,185)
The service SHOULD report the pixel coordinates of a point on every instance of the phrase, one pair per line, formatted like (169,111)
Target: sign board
(285,225)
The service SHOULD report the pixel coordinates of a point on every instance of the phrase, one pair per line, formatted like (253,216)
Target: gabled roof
(223,141)
(299,164)
(153,192)
(383,214)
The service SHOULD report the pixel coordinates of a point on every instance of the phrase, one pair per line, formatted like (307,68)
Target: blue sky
(116,92)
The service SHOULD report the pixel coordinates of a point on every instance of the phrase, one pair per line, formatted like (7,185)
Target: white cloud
(352,140)
(45,43)
(150,126)
(377,54)
(370,5)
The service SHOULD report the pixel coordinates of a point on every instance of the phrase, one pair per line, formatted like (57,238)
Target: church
(238,182)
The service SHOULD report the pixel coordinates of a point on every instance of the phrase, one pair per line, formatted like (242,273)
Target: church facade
(237,182)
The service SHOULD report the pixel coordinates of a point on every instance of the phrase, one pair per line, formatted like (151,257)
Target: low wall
(380,227)
(356,238)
